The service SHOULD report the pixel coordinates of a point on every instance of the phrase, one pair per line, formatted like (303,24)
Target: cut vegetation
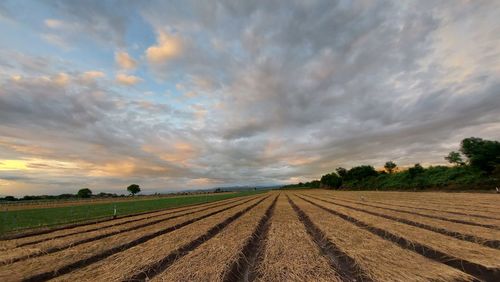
(308,235)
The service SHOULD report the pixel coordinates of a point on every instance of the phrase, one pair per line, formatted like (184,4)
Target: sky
(176,95)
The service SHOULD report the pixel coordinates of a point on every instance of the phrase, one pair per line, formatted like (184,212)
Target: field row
(24,218)
(289,236)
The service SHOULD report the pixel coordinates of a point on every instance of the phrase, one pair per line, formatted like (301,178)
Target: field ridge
(340,261)
(244,267)
(164,263)
(87,261)
(495,244)
(479,271)
(190,208)
(425,215)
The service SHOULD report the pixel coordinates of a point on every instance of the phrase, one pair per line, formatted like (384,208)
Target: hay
(456,248)
(380,259)
(212,260)
(55,261)
(290,254)
(125,264)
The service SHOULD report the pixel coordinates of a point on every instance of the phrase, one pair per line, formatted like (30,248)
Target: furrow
(393,263)
(420,207)
(462,201)
(344,264)
(479,271)
(54,265)
(243,269)
(213,259)
(491,226)
(288,253)
(164,263)
(195,208)
(137,259)
(42,252)
(491,243)
(69,226)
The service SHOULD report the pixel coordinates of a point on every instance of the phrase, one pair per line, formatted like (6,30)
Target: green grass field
(17,220)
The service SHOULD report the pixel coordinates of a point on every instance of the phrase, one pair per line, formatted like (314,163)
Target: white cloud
(56,40)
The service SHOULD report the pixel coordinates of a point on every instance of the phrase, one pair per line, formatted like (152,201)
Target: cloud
(61,79)
(105,22)
(92,75)
(54,23)
(16,77)
(127,79)
(56,40)
(280,92)
(124,60)
(168,46)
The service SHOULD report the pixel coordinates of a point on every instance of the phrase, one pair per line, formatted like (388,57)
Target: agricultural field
(15,217)
(292,235)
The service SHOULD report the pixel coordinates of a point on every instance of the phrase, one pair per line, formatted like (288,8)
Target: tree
(390,166)
(315,184)
(331,180)
(482,154)
(454,158)
(342,172)
(415,170)
(84,193)
(361,172)
(134,189)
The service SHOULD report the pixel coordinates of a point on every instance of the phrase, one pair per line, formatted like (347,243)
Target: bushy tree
(84,193)
(342,172)
(331,180)
(314,184)
(134,189)
(361,172)
(482,154)
(415,170)
(454,158)
(390,166)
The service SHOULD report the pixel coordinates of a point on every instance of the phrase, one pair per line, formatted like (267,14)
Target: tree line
(476,165)
(83,193)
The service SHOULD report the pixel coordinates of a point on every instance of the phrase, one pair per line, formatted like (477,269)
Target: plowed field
(302,235)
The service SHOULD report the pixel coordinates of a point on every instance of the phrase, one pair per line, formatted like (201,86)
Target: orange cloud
(180,152)
(22,148)
(124,60)
(61,79)
(53,23)
(201,182)
(123,168)
(127,79)
(297,161)
(91,75)
(168,47)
